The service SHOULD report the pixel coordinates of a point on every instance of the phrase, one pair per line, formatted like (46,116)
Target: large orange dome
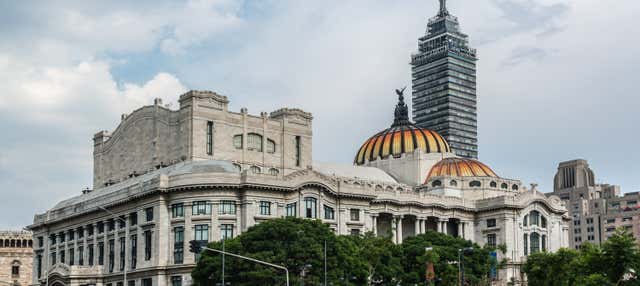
(461,167)
(402,137)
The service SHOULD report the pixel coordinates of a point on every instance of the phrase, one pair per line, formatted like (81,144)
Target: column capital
(443,219)
(398,216)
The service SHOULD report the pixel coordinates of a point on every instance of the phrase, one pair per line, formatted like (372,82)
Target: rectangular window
(177,210)
(491,240)
(265,208)
(149,213)
(147,282)
(201,208)
(112,254)
(40,241)
(355,231)
(209,138)
(39,265)
(90,258)
(62,257)
(80,232)
(298,151)
(90,230)
(133,218)
(292,209)
(52,239)
(15,270)
(61,236)
(131,283)
(147,245)
(111,225)
(134,251)
(491,222)
(72,256)
(100,253)
(226,231)
(227,207)
(80,255)
(119,283)
(310,207)
(202,233)
(122,222)
(611,220)
(53,258)
(178,245)
(355,215)
(71,234)
(526,244)
(329,213)
(122,242)
(176,280)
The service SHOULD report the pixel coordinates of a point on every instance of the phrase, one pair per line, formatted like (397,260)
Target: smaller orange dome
(461,167)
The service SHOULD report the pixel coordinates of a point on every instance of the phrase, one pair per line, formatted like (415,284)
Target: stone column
(444,226)
(439,225)
(374,221)
(460,229)
(394,230)
(416,226)
(424,225)
(399,232)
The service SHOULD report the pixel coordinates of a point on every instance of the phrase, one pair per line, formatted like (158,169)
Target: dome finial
(402,112)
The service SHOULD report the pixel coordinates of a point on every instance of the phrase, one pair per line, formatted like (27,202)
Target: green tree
(614,263)
(477,263)
(620,255)
(294,243)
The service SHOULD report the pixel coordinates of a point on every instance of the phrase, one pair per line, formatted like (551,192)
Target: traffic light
(194,246)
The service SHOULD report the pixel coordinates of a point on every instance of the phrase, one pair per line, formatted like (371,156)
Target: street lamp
(461,253)
(126,237)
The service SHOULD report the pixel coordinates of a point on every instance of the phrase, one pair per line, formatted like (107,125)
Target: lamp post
(126,237)
(461,253)
(196,248)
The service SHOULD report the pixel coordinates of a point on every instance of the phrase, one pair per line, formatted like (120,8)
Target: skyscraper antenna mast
(443,8)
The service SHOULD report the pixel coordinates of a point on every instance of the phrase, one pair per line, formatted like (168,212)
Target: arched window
(526,244)
(254,142)
(237,141)
(475,184)
(535,217)
(255,169)
(436,183)
(310,206)
(543,221)
(535,242)
(504,186)
(15,268)
(271,146)
(453,183)
(238,167)
(273,172)
(514,187)
(493,184)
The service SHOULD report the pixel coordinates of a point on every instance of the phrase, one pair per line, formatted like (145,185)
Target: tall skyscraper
(444,84)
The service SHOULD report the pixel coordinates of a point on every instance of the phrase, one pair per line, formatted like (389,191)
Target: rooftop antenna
(443,8)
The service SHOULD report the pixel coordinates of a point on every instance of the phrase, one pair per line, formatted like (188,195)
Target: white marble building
(165,177)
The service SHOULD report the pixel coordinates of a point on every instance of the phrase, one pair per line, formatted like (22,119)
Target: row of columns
(420,225)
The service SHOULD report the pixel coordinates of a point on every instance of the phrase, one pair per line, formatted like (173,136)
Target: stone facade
(16,258)
(597,210)
(141,221)
(163,137)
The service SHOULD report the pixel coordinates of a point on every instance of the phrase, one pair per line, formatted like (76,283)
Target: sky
(556,79)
